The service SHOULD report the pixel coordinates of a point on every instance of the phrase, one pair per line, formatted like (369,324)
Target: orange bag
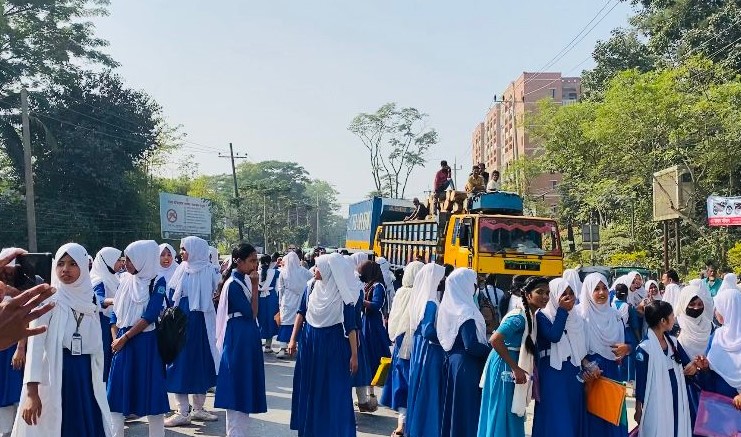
(382,372)
(605,399)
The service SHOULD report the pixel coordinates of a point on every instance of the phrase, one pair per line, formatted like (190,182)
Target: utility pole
(456,167)
(317,218)
(240,225)
(28,173)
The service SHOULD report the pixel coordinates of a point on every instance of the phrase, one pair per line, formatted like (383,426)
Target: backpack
(170,328)
(489,310)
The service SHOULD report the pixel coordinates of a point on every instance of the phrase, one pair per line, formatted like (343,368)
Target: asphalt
(274,423)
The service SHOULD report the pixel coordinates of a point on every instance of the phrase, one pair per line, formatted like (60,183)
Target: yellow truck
(492,236)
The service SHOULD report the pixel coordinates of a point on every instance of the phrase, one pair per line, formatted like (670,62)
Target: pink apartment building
(501,138)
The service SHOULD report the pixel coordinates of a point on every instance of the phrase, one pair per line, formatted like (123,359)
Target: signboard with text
(183,216)
(724,211)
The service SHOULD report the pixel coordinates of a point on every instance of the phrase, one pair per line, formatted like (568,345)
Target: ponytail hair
(243,251)
(531,284)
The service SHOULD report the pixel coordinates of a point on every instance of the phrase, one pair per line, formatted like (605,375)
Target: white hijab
(657,410)
(338,287)
(457,307)
(635,296)
(195,278)
(725,351)
(294,276)
(705,295)
(106,258)
(602,325)
(658,290)
(388,277)
(572,277)
(573,343)
(730,281)
(359,258)
(168,272)
(424,290)
(132,297)
(45,351)
(399,317)
(213,256)
(695,332)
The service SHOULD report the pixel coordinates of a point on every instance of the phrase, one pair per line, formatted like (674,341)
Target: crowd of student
(98,362)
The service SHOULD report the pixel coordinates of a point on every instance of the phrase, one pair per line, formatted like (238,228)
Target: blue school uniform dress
(240,385)
(375,336)
(396,389)
(193,371)
(363,377)
(268,307)
(321,404)
(557,387)
(81,416)
(136,384)
(496,418)
(627,366)
(462,369)
(596,426)
(105,330)
(707,380)
(642,359)
(424,400)
(11,380)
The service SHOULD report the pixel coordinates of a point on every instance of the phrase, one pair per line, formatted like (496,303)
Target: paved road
(274,423)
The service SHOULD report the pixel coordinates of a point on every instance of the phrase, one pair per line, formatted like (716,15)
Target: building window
(554,184)
(553,93)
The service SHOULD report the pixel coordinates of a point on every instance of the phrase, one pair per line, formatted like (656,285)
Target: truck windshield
(518,235)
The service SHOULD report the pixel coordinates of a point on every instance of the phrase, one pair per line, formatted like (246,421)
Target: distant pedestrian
(105,283)
(711,280)
(291,285)
(269,305)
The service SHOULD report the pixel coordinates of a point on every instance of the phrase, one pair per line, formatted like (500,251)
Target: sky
(282,80)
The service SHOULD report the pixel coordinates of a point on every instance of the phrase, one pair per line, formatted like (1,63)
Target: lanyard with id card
(76,346)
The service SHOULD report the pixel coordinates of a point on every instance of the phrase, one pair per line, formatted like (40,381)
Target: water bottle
(591,366)
(509,376)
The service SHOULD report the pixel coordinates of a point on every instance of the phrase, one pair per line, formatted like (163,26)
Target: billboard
(724,211)
(183,216)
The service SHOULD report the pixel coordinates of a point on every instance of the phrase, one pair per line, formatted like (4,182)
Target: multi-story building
(505,139)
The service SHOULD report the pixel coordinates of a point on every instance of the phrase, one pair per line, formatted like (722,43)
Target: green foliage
(734,257)
(397,140)
(639,258)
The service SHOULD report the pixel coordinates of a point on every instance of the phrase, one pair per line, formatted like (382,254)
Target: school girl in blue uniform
(325,337)
(504,403)
(632,326)
(12,360)
(396,389)
(662,407)
(362,378)
(374,335)
(105,283)
(462,333)
(424,413)
(240,385)
(63,392)
(194,370)
(561,351)
(269,303)
(606,345)
(137,382)
(724,354)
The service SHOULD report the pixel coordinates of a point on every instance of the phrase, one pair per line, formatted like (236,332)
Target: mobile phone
(29,266)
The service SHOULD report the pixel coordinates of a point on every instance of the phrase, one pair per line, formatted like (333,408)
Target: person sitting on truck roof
(420,212)
(443,179)
(494,184)
(475,182)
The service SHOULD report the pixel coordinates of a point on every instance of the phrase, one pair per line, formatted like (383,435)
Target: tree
(41,39)
(397,141)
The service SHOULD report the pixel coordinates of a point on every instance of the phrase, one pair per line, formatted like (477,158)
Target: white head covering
(457,307)
(45,351)
(133,293)
(398,323)
(704,293)
(213,254)
(695,332)
(730,281)
(572,277)
(292,274)
(424,290)
(725,351)
(78,295)
(195,278)
(634,296)
(359,258)
(388,277)
(168,272)
(658,290)
(338,287)
(603,327)
(106,258)
(573,342)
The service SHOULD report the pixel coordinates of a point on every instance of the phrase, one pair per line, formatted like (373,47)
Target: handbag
(606,399)
(170,328)
(717,417)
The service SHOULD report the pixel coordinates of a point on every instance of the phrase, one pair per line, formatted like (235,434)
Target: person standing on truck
(484,173)
(443,179)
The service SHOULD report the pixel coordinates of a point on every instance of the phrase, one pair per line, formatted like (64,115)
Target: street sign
(590,233)
(183,216)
